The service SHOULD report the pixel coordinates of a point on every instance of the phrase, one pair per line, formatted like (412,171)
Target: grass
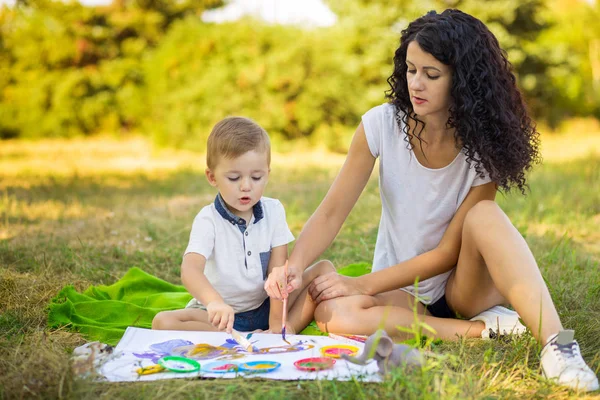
(83,212)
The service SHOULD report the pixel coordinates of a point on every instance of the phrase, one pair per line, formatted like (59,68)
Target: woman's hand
(220,315)
(276,283)
(332,285)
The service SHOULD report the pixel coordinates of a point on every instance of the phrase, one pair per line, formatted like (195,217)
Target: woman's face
(429,83)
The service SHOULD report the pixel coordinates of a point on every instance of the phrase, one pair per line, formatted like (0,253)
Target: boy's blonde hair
(234,136)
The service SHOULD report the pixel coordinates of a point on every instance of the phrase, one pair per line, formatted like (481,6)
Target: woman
(454,131)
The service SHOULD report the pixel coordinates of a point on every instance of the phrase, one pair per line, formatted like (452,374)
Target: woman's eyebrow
(426,67)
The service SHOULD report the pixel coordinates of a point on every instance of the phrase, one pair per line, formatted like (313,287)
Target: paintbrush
(284,316)
(245,343)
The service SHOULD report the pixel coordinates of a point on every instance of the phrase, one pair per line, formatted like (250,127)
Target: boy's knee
(160,321)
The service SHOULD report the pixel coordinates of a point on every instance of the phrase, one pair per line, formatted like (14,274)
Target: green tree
(574,48)
(517,24)
(153,65)
(74,70)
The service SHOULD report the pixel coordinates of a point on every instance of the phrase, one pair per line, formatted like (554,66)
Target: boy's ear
(210,177)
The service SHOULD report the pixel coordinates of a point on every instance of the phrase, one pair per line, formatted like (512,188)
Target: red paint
(226,367)
(338,351)
(315,364)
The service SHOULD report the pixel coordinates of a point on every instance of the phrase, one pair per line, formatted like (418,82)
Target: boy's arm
(278,256)
(220,314)
(194,280)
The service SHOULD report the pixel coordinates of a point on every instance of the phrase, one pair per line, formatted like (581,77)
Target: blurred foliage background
(153,67)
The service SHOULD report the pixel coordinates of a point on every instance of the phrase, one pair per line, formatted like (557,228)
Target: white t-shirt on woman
(418,203)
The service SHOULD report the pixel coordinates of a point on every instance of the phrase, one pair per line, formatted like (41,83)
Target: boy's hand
(220,315)
(275,285)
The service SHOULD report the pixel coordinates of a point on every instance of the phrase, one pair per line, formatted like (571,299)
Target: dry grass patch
(82,212)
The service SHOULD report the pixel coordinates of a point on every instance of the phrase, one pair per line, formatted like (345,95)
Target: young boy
(236,241)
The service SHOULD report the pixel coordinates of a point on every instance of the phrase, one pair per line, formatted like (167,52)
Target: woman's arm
(278,256)
(431,263)
(325,223)
(323,226)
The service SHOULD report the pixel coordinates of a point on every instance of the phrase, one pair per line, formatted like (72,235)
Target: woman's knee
(333,315)
(318,269)
(323,311)
(322,267)
(482,215)
(325,314)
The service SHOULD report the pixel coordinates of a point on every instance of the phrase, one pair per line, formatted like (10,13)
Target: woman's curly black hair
(487,110)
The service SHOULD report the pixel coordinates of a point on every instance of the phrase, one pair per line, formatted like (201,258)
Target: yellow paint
(152,369)
(261,366)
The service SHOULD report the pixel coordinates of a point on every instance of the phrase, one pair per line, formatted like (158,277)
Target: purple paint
(229,344)
(150,355)
(168,346)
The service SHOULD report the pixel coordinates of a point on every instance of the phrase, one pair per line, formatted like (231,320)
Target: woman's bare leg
(302,307)
(363,315)
(496,266)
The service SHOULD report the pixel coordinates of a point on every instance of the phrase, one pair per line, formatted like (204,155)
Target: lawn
(83,212)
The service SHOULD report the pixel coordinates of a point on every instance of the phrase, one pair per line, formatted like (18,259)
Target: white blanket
(136,350)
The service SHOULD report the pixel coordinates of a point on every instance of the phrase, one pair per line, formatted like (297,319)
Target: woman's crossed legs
(495,266)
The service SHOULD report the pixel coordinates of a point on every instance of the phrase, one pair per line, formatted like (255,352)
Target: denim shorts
(246,321)
(258,318)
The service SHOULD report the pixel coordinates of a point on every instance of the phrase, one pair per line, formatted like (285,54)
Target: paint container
(179,364)
(336,350)
(259,366)
(314,364)
(221,367)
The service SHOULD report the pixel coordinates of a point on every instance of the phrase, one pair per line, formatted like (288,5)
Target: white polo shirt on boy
(237,252)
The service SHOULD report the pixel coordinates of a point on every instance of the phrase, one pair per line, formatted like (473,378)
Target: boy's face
(241,181)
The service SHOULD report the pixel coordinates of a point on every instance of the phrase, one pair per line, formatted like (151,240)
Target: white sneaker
(562,362)
(500,321)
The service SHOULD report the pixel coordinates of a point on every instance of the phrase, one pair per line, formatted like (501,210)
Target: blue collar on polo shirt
(224,212)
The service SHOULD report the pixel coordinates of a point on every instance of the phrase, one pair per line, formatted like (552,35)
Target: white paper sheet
(137,341)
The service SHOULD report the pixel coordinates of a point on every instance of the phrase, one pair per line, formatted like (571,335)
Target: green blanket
(104,312)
